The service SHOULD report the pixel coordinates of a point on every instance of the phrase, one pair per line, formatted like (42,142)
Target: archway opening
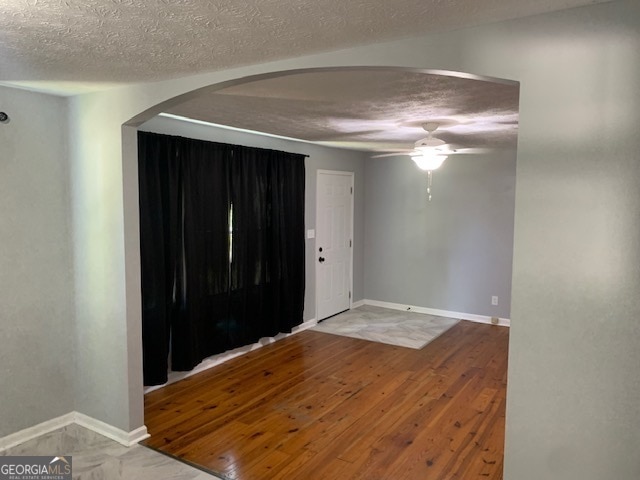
(351,120)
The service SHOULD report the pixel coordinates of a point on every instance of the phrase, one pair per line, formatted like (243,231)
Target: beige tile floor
(95,457)
(395,327)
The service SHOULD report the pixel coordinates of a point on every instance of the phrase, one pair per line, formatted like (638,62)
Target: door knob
(321,259)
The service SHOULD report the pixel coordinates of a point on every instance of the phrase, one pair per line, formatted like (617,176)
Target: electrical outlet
(494,300)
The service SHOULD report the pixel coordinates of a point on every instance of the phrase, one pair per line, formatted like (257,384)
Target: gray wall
(320,158)
(453,253)
(572,411)
(36,287)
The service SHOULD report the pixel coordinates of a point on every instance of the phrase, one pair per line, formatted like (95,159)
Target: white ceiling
(74,46)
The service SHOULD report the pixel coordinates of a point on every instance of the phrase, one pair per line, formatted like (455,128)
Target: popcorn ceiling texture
(141,40)
(367,109)
(79,45)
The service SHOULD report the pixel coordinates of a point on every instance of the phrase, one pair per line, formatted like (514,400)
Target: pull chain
(429,178)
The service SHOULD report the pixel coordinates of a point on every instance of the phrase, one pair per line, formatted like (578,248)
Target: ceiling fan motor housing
(429,142)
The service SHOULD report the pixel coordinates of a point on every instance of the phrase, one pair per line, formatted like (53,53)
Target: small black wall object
(4,118)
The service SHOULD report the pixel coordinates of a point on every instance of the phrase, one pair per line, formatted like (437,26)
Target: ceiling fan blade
(392,154)
(474,151)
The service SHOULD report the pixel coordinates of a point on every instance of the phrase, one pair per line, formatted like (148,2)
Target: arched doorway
(237,94)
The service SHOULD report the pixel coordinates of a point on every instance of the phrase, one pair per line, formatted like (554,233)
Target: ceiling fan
(431,146)
(430,152)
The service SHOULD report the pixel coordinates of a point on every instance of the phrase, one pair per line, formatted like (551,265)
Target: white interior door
(334,227)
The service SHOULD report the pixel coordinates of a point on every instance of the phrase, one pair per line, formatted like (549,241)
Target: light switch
(311,233)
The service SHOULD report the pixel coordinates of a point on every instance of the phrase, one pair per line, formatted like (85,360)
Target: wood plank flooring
(321,406)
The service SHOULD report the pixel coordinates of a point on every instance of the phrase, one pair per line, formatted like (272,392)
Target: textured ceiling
(73,46)
(141,40)
(375,110)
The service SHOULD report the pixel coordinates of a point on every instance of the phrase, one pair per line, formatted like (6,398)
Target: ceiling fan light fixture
(429,162)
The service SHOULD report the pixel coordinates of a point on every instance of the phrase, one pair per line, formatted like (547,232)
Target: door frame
(316,254)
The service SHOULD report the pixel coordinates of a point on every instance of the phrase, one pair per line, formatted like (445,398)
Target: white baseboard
(472,317)
(357,304)
(125,438)
(33,432)
(220,358)
(303,326)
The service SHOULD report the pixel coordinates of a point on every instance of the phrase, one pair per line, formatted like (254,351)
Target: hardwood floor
(320,406)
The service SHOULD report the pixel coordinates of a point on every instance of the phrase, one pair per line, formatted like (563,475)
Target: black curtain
(267,192)
(205,241)
(160,193)
(201,296)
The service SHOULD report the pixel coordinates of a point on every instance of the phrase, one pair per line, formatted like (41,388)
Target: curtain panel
(222,248)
